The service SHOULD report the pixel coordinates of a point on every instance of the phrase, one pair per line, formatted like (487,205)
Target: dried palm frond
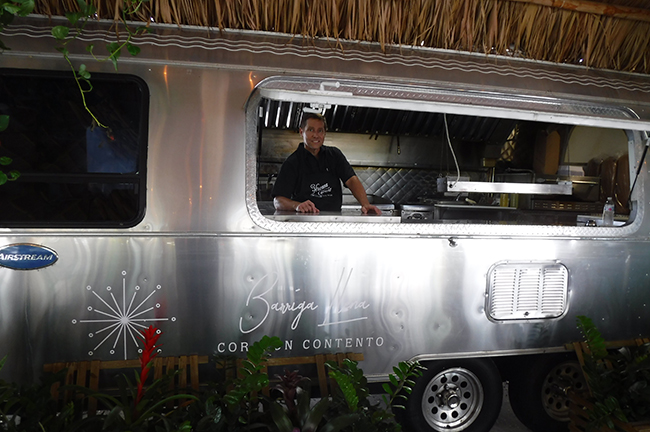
(610,34)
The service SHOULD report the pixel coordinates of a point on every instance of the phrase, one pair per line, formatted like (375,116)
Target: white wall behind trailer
(204,261)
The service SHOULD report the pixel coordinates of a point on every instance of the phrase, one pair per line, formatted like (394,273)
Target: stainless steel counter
(350,212)
(344,216)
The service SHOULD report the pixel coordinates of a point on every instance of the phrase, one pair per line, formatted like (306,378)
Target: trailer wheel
(538,393)
(456,395)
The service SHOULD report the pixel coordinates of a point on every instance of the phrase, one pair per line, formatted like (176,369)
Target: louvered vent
(527,291)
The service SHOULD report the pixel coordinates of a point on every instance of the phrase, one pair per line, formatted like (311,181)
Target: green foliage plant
(210,413)
(242,400)
(234,405)
(139,407)
(307,418)
(619,380)
(65,34)
(11,8)
(77,21)
(593,338)
(26,408)
(353,395)
(150,413)
(4,160)
(207,414)
(401,383)
(351,382)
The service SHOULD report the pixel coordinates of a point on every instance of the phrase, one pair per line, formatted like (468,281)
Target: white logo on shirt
(320,191)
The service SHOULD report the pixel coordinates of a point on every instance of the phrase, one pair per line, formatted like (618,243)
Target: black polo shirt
(305,177)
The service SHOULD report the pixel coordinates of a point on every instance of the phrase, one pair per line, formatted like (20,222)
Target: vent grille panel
(524,291)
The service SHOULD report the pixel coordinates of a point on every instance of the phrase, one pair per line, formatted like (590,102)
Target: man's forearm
(359,192)
(285,204)
(357,189)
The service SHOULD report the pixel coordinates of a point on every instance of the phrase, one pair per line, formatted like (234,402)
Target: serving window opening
(450,168)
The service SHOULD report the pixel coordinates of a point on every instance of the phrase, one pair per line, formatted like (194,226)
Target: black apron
(322,188)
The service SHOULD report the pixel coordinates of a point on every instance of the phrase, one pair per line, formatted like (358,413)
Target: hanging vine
(64,35)
(77,20)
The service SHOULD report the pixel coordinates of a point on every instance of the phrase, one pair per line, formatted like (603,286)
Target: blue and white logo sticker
(25,256)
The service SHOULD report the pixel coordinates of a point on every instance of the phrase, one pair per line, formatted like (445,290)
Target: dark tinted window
(73,172)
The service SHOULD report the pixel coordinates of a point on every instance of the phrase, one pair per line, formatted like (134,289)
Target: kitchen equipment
(418,213)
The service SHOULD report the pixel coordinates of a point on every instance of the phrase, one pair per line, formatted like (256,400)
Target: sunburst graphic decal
(121,322)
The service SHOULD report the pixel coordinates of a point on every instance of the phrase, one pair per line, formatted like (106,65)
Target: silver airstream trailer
(492,174)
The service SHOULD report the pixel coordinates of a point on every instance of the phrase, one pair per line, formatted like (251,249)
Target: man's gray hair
(309,115)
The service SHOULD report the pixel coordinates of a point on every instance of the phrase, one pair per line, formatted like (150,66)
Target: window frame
(138,179)
(440,100)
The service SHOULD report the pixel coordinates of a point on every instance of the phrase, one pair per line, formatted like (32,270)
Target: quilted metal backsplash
(399,185)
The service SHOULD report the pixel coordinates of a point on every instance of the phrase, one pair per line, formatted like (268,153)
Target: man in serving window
(310,179)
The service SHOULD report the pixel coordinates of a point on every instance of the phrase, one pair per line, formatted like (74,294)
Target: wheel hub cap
(558,381)
(449,397)
(452,400)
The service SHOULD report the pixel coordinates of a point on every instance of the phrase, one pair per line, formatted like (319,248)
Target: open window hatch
(451,156)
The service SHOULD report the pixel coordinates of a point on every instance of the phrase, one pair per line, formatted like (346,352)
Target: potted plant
(349,408)
(618,382)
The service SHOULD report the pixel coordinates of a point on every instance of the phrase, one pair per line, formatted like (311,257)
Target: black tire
(537,392)
(455,395)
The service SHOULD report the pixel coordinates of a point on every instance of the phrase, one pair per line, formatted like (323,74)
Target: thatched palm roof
(612,34)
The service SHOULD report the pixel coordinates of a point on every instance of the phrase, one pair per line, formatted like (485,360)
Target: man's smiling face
(313,135)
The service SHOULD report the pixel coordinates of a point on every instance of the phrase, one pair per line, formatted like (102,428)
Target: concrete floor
(507,421)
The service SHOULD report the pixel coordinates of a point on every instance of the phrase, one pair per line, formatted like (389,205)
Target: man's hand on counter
(355,186)
(370,209)
(285,204)
(288,205)
(307,207)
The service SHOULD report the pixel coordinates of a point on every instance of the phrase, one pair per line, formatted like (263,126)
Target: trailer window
(74,172)
(449,161)
(428,167)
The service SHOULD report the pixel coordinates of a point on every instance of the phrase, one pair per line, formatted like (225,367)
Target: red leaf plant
(149,351)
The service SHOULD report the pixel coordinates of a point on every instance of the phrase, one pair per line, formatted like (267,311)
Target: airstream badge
(24,256)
